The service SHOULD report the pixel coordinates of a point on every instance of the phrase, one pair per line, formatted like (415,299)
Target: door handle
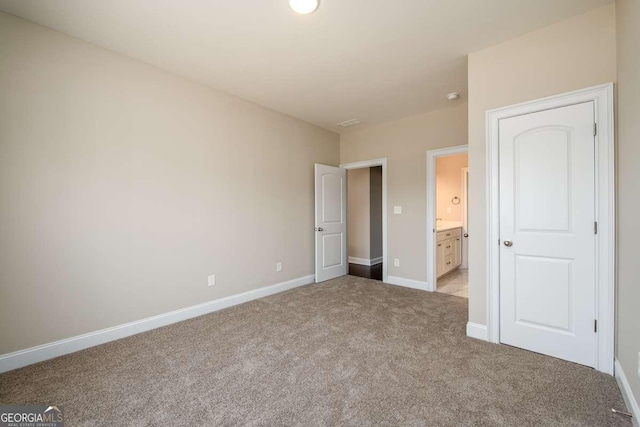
(508,243)
(466,234)
(319,229)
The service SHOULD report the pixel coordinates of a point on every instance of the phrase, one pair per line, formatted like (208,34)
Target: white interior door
(547,220)
(331,222)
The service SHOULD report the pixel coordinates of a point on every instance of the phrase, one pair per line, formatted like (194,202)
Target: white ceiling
(375,60)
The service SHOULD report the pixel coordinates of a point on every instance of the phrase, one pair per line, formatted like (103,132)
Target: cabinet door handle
(448,246)
(448,234)
(439,244)
(449,263)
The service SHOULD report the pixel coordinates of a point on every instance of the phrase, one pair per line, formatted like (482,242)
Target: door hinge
(595,325)
(595,129)
(595,227)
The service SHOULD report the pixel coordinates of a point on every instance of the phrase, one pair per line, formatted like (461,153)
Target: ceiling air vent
(348,123)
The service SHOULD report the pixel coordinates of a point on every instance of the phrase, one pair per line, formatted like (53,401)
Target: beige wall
(405,143)
(122,187)
(576,53)
(628,114)
(449,185)
(375,192)
(358,213)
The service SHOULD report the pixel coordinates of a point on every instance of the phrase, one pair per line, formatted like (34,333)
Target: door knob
(508,243)
(320,229)
(466,234)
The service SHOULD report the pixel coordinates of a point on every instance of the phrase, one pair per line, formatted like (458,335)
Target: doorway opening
(377,169)
(331,258)
(447,226)
(364,222)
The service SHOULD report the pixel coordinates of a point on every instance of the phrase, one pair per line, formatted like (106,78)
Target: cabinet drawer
(447,246)
(448,262)
(448,234)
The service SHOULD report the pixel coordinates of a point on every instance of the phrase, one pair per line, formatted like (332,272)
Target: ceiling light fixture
(303,7)
(452,96)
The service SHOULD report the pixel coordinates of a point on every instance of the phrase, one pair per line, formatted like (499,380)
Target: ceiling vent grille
(348,123)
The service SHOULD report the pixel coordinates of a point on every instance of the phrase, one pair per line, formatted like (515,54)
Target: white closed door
(331,222)
(547,232)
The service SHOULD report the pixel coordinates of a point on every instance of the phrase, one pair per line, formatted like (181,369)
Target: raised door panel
(332,189)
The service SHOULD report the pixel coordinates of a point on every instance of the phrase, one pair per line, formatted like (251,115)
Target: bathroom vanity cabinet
(448,250)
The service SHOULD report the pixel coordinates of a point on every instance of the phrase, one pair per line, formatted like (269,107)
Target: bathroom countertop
(445,227)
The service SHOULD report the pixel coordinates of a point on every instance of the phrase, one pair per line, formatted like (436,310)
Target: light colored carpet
(351,351)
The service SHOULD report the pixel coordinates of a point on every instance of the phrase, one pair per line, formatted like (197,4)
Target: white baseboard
(43,352)
(408,283)
(477,331)
(365,261)
(627,394)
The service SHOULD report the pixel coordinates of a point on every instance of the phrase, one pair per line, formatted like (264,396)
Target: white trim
(407,283)
(477,331)
(602,97)
(365,261)
(432,155)
(627,394)
(43,352)
(367,164)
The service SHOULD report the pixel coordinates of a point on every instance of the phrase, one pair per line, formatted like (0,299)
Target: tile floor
(455,283)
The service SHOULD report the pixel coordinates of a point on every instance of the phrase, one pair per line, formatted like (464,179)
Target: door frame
(602,97)
(368,164)
(432,156)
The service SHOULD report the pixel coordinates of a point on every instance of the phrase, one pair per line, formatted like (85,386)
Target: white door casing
(602,97)
(330,222)
(382,162)
(547,217)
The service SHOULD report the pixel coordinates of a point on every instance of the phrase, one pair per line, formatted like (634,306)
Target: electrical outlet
(396,262)
(212,280)
(278,266)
